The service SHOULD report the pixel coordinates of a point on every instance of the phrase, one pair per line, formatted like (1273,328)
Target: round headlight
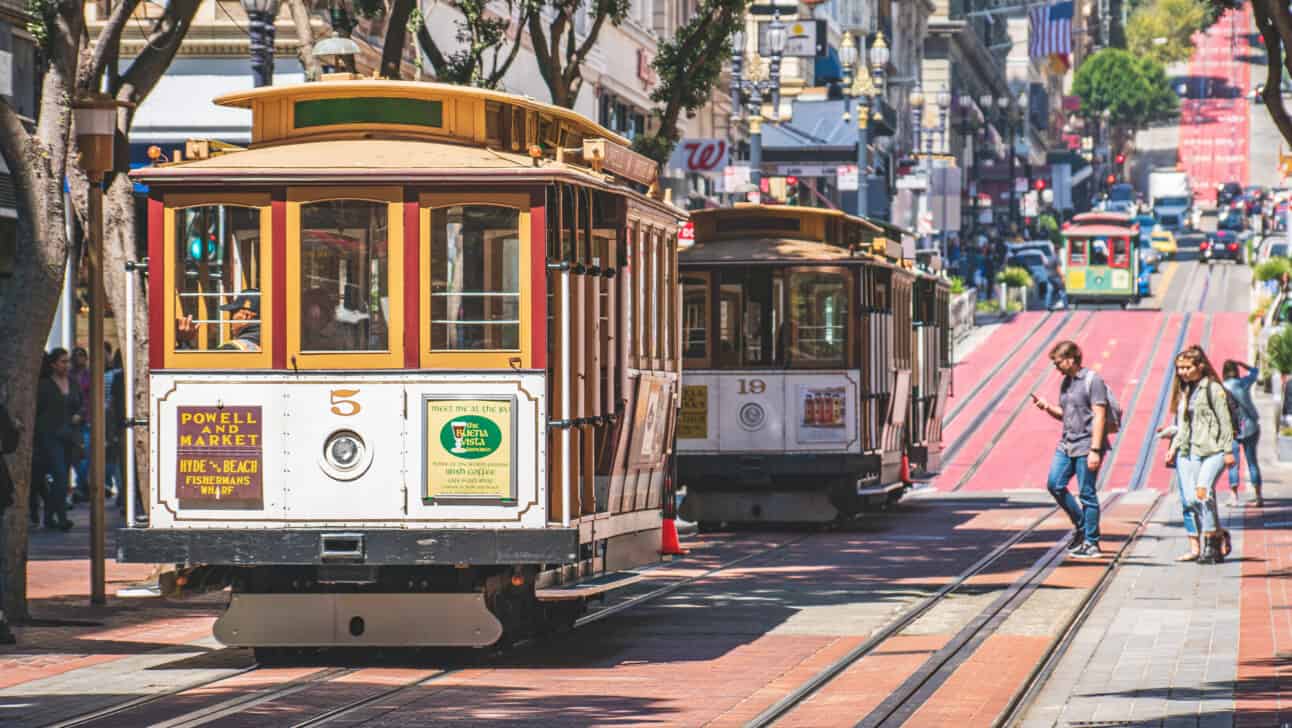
(344,450)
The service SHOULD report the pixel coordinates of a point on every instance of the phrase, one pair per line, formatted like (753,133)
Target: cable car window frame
(703,281)
(209,358)
(393,356)
(848,278)
(1070,248)
(478,358)
(1113,242)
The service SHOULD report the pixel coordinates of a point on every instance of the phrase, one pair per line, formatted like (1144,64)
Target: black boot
(1209,551)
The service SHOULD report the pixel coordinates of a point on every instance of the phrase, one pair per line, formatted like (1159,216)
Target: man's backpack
(1113,417)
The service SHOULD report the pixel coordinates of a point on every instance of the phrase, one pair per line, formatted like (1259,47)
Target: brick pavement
(1179,644)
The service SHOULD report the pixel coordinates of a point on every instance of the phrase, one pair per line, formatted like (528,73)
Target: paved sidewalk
(1181,644)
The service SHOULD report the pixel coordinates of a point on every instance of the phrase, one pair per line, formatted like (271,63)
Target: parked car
(1045,247)
(1274,248)
(1164,243)
(1144,283)
(1221,244)
(1149,259)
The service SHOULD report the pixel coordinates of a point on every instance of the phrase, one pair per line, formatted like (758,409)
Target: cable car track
(933,674)
(991,375)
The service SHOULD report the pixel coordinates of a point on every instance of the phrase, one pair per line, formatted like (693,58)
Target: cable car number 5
(752,386)
(342,404)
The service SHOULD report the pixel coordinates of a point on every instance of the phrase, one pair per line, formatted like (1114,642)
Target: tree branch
(495,75)
(162,44)
(15,141)
(392,49)
(432,51)
(1273,92)
(305,39)
(107,48)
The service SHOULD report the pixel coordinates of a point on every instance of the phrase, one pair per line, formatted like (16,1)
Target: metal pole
(261,30)
(1013,191)
(863,158)
(128,391)
(756,151)
(98,301)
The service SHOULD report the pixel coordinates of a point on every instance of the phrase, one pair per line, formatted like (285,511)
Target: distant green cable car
(1100,265)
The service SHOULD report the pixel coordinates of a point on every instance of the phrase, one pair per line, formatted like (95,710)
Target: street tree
(689,65)
(1274,22)
(558,47)
(487,43)
(1163,29)
(1133,91)
(40,157)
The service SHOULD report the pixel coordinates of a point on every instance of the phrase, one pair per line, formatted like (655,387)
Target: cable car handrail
(469,322)
(475,293)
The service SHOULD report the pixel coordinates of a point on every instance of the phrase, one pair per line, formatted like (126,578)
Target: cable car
(1100,265)
(414,360)
(816,360)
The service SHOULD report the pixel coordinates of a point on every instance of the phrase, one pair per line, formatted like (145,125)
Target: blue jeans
(1193,473)
(1253,464)
(1054,287)
(1086,516)
(82,466)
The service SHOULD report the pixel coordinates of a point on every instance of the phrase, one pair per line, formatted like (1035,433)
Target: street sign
(847,178)
(803,39)
(913,181)
(1030,206)
(805,170)
(701,156)
(734,176)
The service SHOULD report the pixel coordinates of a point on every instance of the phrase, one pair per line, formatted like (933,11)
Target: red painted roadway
(1214,131)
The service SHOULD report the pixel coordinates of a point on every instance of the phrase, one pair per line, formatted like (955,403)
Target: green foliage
(1163,29)
(1048,224)
(1279,351)
(988,306)
(42,13)
(957,285)
(1272,270)
(485,50)
(1015,277)
(689,65)
(1135,91)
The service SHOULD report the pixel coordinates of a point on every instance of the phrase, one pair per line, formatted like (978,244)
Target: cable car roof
(763,250)
(1097,231)
(1104,217)
(744,210)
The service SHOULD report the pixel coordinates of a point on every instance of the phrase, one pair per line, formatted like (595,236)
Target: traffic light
(1111,179)
(1120,159)
(1040,185)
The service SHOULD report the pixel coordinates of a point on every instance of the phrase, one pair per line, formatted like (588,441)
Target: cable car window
(1098,251)
(218,278)
(818,319)
(1121,252)
(695,317)
(475,278)
(1076,251)
(749,318)
(345,276)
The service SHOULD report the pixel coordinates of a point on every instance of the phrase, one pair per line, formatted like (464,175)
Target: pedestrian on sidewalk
(58,437)
(9,435)
(1083,410)
(1249,432)
(79,374)
(1201,446)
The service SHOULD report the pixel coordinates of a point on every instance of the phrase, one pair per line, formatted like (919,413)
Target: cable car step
(589,588)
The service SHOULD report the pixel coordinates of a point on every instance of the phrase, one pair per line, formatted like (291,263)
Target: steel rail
(236,705)
(1013,415)
(968,398)
(963,438)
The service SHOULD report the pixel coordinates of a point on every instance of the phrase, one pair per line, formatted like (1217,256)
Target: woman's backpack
(1231,406)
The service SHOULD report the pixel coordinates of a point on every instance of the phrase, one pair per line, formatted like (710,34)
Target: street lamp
(94,117)
(750,82)
(865,87)
(260,25)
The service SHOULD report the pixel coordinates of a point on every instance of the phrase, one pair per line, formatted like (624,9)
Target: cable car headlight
(345,455)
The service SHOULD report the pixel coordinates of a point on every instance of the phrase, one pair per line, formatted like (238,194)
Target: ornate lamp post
(748,88)
(864,90)
(260,23)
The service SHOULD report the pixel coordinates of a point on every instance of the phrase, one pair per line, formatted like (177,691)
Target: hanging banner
(701,156)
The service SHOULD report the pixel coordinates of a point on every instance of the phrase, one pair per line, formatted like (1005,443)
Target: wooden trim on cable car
(522,358)
(182,359)
(393,357)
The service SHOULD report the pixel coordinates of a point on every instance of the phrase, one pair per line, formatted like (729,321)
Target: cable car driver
(244,324)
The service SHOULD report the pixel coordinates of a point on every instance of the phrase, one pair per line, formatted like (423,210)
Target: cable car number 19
(752,386)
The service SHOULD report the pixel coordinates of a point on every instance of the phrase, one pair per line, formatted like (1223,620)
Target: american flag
(1051,29)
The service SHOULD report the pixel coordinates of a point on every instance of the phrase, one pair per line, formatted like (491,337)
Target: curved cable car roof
(1097,231)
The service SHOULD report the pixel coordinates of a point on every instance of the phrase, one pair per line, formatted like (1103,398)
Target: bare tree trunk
(392,51)
(305,35)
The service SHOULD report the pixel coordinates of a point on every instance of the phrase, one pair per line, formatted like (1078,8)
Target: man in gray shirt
(1083,409)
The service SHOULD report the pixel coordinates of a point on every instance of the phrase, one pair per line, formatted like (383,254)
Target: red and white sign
(686,235)
(701,156)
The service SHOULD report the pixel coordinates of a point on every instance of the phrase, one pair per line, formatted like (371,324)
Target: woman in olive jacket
(1202,447)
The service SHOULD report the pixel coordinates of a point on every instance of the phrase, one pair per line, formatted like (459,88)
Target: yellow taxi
(1163,241)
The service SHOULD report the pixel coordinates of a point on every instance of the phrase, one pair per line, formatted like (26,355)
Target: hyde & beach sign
(220,458)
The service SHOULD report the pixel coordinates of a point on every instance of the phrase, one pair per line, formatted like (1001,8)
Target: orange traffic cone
(906,469)
(670,545)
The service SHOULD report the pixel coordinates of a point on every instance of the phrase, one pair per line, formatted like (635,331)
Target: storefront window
(475,278)
(345,276)
(217,278)
(818,318)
